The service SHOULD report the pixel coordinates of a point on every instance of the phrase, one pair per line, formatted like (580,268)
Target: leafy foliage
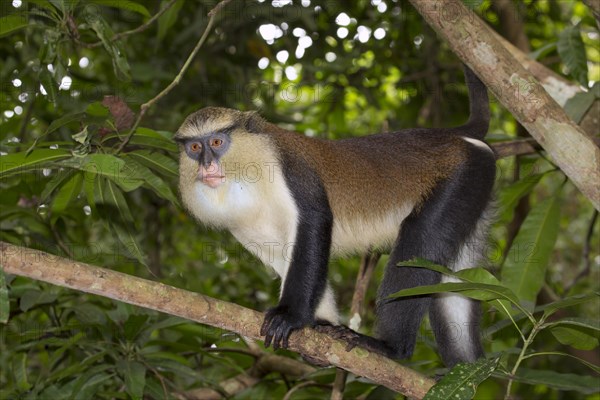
(462,380)
(73,77)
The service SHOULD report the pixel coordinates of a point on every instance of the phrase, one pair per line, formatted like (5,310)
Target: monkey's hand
(279,323)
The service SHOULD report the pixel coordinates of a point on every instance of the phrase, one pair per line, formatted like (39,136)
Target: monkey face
(207,151)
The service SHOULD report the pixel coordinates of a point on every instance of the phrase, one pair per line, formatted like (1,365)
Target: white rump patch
(477,143)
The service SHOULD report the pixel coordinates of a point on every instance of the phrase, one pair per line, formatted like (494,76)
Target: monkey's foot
(340,332)
(354,339)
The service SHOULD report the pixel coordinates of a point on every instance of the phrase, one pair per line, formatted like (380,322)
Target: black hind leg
(440,232)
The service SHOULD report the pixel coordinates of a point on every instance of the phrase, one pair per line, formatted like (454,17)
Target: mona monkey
(420,192)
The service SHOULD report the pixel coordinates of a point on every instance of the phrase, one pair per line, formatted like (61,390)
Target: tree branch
(60,271)
(475,44)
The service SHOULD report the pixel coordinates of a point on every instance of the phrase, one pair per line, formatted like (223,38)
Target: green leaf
(34,297)
(471,275)
(64,120)
(124,5)
(580,333)
(510,195)
(572,52)
(47,53)
(134,375)
(551,308)
(117,215)
(12,23)
(578,105)
(4,302)
(45,4)
(114,197)
(89,190)
(591,366)
(478,291)
(19,369)
(154,389)
(556,380)
(50,85)
(67,193)
(16,163)
(114,48)
(543,51)
(91,385)
(138,171)
(524,269)
(150,138)
(167,20)
(59,4)
(97,109)
(462,380)
(134,325)
(90,314)
(156,161)
(75,369)
(105,165)
(81,136)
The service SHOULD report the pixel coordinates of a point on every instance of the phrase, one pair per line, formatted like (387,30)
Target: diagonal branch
(476,45)
(206,310)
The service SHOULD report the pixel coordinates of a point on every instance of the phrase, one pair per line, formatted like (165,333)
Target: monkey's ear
(254,122)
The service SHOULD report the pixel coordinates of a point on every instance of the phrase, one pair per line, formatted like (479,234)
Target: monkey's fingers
(265,326)
(266,330)
(280,333)
(286,338)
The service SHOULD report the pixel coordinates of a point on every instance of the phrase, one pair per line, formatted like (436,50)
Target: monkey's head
(205,140)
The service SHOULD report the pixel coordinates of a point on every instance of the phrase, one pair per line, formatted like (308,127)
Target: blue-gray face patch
(206,149)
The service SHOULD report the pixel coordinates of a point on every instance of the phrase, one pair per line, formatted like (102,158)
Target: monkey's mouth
(211,180)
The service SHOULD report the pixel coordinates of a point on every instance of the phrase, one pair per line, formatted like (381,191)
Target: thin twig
(60,243)
(213,13)
(141,28)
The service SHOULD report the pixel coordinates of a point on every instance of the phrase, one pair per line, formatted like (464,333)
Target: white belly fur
(358,236)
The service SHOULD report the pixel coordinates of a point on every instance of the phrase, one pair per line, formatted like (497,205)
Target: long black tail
(479,106)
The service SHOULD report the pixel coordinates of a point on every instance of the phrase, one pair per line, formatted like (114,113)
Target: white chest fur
(261,215)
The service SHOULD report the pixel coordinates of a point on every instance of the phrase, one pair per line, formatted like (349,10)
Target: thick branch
(559,88)
(60,271)
(474,43)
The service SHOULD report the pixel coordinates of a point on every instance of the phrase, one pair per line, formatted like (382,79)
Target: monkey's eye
(195,147)
(216,142)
